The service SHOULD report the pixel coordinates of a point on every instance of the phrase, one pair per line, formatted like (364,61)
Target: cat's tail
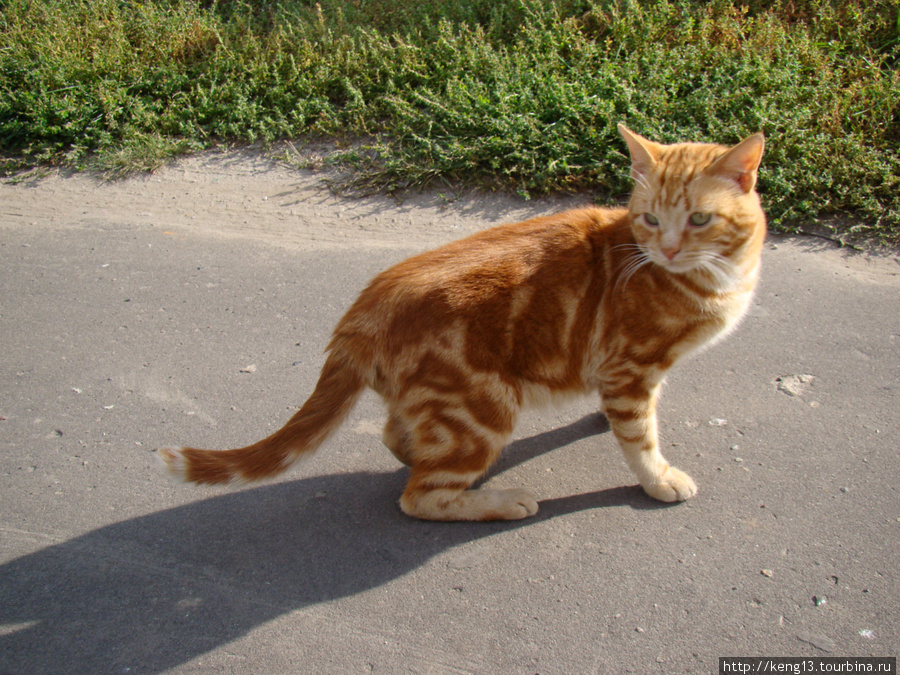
(339,387)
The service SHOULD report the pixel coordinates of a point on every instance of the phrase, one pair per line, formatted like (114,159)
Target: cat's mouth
(720,269)
(680,264)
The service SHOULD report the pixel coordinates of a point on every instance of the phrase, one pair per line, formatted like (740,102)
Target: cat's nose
(671,251)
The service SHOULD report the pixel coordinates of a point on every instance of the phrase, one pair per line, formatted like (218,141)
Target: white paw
(483,504)
(514,504)
(673,485)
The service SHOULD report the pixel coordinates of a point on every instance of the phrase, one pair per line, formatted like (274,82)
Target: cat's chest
(716,318)
(655,335)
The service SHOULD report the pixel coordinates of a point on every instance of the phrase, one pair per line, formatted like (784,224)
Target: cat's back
(507,253)
(488,267)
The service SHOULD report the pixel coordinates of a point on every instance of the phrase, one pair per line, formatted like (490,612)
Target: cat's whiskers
(641,181)
(639,257)
(726,273)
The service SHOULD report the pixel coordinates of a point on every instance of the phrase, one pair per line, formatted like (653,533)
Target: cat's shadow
(519,452)
(153,592)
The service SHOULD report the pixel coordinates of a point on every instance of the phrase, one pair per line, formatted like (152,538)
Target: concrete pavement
(123,333)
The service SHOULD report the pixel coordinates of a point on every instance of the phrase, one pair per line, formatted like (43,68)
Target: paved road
(120,334)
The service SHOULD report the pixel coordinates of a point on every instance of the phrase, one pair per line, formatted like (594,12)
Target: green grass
(510,94)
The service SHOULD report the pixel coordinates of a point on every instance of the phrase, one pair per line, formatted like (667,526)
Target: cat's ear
(741,162)
(644,153)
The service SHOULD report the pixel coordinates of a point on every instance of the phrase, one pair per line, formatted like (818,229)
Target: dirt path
(245,194)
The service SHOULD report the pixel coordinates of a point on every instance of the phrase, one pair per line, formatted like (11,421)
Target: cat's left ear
(741,162)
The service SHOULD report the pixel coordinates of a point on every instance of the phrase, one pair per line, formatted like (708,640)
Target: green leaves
(512,94)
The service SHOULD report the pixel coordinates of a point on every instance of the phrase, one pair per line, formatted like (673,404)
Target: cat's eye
(651,220)
(699,219)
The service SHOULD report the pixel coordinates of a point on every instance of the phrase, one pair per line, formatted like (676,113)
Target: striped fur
(459,339)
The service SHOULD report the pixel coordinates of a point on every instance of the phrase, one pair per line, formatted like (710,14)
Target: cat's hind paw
(673,485)
(515,504)
(482,504)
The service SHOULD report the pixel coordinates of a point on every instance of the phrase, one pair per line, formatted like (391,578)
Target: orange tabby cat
(459,339)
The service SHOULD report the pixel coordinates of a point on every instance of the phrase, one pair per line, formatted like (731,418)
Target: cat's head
(694,205)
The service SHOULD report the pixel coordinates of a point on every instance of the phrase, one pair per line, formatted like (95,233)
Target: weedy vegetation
(518,95)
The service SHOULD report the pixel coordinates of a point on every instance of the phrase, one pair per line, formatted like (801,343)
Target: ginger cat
(459,339)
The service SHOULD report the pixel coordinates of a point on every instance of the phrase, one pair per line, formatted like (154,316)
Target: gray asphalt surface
(121,334)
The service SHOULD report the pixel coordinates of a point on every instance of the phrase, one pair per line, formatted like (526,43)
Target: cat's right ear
(644,153)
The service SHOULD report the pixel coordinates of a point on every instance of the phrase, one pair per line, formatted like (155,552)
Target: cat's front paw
(673,485)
